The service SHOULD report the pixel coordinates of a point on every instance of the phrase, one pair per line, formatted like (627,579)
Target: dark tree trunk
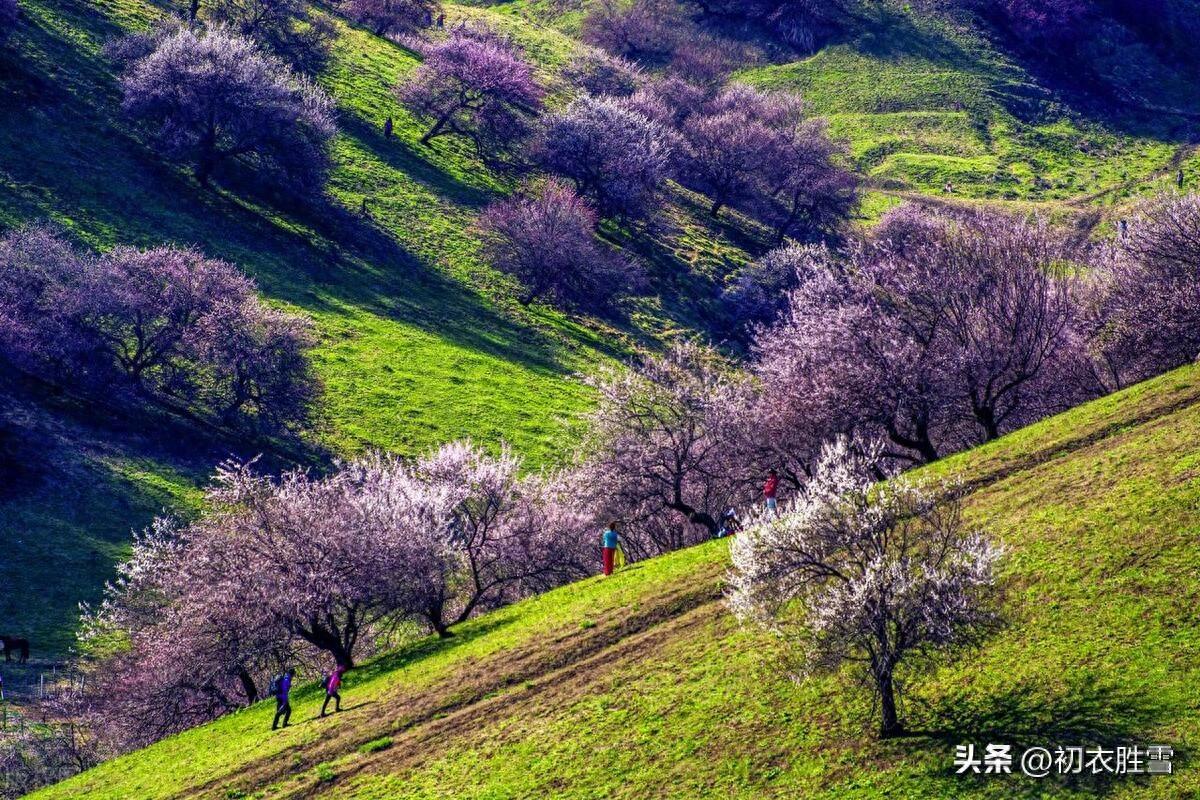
(889,723)
(436,130)
(715,209)
(328,640)
(193,10)
(436,614)
(986,416)
(248,686)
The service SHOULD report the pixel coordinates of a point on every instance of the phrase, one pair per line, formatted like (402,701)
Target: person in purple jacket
(332,684)
(281,687)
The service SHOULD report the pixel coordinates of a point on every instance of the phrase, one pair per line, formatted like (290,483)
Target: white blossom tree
(875,574)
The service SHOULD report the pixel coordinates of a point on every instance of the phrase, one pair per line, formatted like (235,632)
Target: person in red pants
(770,490)
(609,541)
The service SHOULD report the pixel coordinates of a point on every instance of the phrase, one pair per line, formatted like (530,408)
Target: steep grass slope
(420,342)
(643,686)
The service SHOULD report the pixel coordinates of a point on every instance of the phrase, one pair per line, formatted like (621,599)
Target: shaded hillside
(642,685)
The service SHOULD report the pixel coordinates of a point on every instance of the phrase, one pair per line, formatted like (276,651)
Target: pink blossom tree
(735,140)
(211,98)
(1141,314)
(283,571)
(614,155)
(661,460)
(177,328)
(545,238)
(810,192)
(760,291)
(881,576)
(947,338)
(180,326)
(474,84)
(38,268)
(493,547)
(167,655)
(597,72)
(643,29)
(393,17)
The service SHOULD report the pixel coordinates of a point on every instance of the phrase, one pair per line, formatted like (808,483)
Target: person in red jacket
(770,489)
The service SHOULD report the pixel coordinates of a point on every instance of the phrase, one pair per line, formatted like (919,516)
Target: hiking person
(388,127)
(729,524)
(332,684)
(281,688)
(770,489)
(610,541)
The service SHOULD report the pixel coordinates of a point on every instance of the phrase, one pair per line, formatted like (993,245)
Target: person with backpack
(770,489)
(610,540)
(332,683)
(729,524)
(281,689)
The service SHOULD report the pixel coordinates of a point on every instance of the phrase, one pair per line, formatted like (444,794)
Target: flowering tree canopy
(475,84)
(300,568)
(951,336)
(761,290)
(878,575)
(614,155)
(210,98)
(643,29)
(599,73)
(1141,315)
(735,140)
(170,325)
(547,241)
(661,460)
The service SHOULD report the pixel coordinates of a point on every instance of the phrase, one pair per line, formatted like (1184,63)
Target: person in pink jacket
(332,684)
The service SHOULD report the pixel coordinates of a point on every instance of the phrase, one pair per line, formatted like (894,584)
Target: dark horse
(15,645)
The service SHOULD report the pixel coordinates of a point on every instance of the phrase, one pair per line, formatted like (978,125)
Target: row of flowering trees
(315,570)
(937,332)
(613,149)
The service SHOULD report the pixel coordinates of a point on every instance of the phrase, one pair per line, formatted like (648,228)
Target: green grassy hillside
(642,685)
(929,104)
(420,342)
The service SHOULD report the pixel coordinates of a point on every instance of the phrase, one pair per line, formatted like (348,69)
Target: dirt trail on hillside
(481,689)
(564,664)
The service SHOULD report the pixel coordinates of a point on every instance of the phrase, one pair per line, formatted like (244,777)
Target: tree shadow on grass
(1085,714)
(430,646)
(399,154)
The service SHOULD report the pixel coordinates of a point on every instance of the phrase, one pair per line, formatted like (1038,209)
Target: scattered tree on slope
(167,325)
(546,239)
(209,98)
(1141,315)
(474,84)
(614,155)
(883,576)
(393,17)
